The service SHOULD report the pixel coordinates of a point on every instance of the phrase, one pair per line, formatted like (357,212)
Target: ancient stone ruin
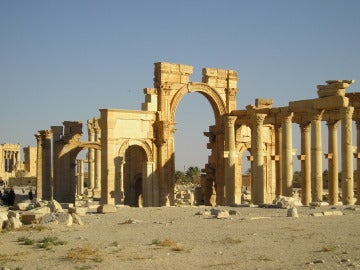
(131,152)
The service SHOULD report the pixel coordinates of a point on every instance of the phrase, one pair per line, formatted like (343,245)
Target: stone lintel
(301,105)
(329,155)
(333,102)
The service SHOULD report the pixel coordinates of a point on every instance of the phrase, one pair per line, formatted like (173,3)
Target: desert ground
(190,238)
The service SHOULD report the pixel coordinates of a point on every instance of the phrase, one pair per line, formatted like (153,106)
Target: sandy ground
(180,238)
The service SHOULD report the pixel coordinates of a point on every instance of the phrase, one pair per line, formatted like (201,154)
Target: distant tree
(192,171)
(179,176)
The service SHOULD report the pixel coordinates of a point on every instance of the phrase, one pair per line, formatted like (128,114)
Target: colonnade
(333,107)
(10,158)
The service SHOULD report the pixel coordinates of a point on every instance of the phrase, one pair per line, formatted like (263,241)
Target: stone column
(97,187)
(231,185)
(287,155)
(91,159)
(316,159)
(39,176)
(357,155)
(278,167)
(257,145)
(305,163)
(80,176)
(347,180)
(47,183)
(332,157)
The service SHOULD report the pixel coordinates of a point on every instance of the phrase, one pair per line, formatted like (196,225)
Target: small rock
(292,212)
(223,214)
(76,219)
(318,261)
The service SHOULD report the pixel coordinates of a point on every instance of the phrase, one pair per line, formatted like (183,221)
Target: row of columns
(310,157)
(11,158)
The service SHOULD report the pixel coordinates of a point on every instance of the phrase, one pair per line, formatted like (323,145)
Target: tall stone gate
(138,153)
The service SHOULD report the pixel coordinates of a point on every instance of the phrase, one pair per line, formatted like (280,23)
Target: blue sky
(64,60)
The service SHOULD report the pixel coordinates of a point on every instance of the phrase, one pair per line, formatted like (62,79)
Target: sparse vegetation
(328,248)
(84,253)
(169,243)
(26,241)
(47,242)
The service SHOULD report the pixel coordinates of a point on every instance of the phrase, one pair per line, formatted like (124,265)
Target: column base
(96,193)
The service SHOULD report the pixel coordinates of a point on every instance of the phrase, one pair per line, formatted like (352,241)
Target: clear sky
(64,60)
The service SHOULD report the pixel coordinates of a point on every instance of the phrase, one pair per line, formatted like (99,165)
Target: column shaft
(257,145)
(278,167)
(347,180)
(333,184)
(316,160)
(305,164)
(287,155)
(231,186)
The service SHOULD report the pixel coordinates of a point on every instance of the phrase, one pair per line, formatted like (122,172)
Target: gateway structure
(131,154)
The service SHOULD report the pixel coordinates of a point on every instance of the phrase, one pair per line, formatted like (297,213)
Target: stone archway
(135,159)
(218,86)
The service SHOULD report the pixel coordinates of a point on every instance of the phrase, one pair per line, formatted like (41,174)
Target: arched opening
(135,159)
(193,117)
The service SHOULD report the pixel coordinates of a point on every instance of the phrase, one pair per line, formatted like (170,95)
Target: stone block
(317,214)
(64,218)
(76,219)
(22,206)
(31,218)
(66,205)
(14,214)
(81,211)
(106,208)
(13,223)
(55,206)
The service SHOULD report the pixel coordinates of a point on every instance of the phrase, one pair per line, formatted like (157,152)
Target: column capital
(230,120)
(317,115)
(46,134)
(258,118)
(305,126)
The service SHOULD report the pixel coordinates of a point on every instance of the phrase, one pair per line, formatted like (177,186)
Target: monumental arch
(138,146)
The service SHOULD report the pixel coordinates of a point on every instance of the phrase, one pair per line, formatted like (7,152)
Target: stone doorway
(135,159)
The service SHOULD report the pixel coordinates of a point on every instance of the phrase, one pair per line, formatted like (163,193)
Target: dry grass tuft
(84,253)
(169,243)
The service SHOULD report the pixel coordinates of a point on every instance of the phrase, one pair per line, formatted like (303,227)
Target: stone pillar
(39,176)
(357,155)
(232,187)
(91,159)
(305,163)
(122,192)
(257,147)
(47,183)
(316,159)
(278,167)
(332,156)
(80,176)
(287,155)
(347,180)
(97,187)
